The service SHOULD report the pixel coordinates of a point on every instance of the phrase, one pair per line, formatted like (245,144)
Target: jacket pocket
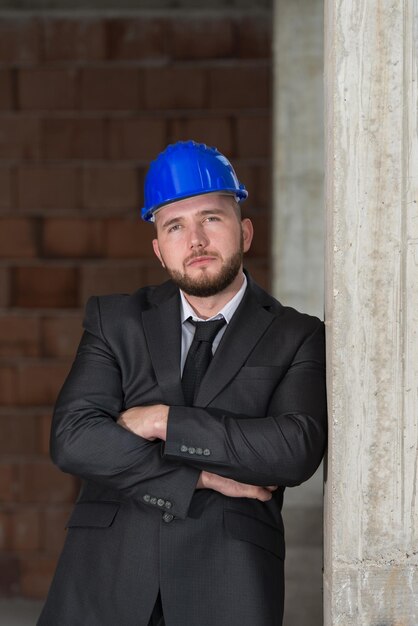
(246,528)
(93,515)
(259,372)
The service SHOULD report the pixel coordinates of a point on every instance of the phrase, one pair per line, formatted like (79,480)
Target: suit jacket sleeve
(86,440)
(283,447)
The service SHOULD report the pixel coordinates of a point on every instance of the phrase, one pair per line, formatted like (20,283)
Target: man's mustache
(197,255)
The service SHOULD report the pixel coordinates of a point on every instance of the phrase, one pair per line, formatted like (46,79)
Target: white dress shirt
(188,330)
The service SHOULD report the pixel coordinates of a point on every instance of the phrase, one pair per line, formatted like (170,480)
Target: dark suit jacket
(139,525)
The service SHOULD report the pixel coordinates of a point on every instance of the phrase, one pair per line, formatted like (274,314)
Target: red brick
(6,196)
(18,238)
(197,38)
(55,521)
(19,40)
(257,180)
(99,280)
(260,246)
(136,138)
(248,176)
(19,336)
(39,383)
(6,531)
(73,138)
(72,238)
(9,482)
(9,575)
(36,572)
(110,88)
(42,482)
(61,335)
(254,136)
(154,274)
(110,187)
(129,238)
(46,89)
(260,271)
(8,380)
(175,88)
(4,286)
(24,532)
(213,131)
(19,434)
(254,37)
(6,90)
(44,434)
(265,186)
(47,187)
(136,38)
(75,39)
(240,87)
(44,286)
(19,137)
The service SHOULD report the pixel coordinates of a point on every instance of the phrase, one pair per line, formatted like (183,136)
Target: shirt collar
(227,311)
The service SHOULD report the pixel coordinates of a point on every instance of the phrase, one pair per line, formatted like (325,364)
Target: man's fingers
(233,488)
(261,493)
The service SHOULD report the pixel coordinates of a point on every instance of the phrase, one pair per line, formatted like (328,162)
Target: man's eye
(212,218)
(174,228)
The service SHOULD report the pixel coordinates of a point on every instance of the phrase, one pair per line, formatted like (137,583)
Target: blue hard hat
(185,169)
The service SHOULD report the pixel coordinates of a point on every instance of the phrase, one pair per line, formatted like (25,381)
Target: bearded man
(188,410)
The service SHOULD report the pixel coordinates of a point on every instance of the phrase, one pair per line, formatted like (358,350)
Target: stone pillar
(371,521)
(298,257)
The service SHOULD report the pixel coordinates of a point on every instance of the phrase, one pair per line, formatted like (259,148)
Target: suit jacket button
(184,449)
(153,500)
(168,517)
(206,452)
(160,502)
(192,450)
(168,504)
(199,451)
(146,497)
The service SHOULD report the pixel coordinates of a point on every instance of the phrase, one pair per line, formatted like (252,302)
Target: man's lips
(200,260)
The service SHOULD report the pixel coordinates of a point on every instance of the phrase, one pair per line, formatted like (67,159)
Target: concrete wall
(371,532)
(298,257)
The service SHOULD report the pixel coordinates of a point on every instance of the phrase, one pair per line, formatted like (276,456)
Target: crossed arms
(150,422)
(137,451)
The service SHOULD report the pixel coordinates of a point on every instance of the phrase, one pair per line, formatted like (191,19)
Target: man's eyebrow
(171,221)
(201,213)
(216,211)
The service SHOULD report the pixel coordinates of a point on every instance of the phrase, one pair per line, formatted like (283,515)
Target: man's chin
(204,283)
(204,286)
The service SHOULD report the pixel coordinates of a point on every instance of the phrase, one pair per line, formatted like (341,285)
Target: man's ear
(157,252)
(247,233)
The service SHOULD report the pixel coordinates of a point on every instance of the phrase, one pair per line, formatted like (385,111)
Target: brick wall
(85,103)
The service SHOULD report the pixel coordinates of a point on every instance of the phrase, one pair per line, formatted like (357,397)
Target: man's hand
(233,488)
(149,422)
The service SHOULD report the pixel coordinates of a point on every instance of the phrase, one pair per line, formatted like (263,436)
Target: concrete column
(371,523)
(298,257)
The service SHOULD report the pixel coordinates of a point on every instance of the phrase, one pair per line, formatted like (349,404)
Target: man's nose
(198,237)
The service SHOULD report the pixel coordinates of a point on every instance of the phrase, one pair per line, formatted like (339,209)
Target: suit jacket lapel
(163,333)
(243,333)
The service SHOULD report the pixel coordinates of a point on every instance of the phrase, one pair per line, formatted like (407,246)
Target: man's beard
(207,286)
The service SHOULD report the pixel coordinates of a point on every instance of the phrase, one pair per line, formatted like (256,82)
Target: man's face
(200,242)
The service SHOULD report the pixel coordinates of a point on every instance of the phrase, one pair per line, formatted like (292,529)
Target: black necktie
(199,356)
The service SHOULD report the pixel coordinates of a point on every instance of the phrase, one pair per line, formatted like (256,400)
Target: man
(185,457)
